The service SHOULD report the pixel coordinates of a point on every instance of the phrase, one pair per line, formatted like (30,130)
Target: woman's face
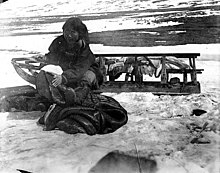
(71,36)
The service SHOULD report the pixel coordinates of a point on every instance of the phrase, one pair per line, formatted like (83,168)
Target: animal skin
(116,162)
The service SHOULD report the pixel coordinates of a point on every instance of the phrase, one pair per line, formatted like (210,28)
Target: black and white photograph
(110,86)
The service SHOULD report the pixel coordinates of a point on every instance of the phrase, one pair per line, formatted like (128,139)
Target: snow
(157,124)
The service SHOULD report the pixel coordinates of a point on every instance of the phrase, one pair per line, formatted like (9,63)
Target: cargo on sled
(159,73)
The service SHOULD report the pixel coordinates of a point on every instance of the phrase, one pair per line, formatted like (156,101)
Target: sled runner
(126,72)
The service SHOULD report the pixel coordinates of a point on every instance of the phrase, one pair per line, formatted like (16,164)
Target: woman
(72,53)
(74,109)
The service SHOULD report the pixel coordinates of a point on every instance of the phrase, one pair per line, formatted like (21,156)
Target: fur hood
(76,24)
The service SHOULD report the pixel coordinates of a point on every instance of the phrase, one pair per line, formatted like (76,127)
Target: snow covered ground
(157,125)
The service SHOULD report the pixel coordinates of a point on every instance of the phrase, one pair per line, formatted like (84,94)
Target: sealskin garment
(80,111)
(97,114)
(74,61)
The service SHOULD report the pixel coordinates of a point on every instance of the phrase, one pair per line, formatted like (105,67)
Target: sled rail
(177,55)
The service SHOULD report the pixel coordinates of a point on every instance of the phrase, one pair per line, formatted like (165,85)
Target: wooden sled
(134,81)
(117,78)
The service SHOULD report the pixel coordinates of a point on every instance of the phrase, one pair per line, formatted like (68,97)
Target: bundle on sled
(171,73)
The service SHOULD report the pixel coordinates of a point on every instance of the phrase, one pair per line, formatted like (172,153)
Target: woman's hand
(57,80)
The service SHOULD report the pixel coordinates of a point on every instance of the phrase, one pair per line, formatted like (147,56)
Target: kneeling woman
(74,108)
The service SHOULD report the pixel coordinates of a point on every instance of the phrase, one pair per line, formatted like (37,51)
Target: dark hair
(77,24)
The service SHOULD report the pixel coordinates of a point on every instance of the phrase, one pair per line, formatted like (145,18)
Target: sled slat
(184,70)
(18,90)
